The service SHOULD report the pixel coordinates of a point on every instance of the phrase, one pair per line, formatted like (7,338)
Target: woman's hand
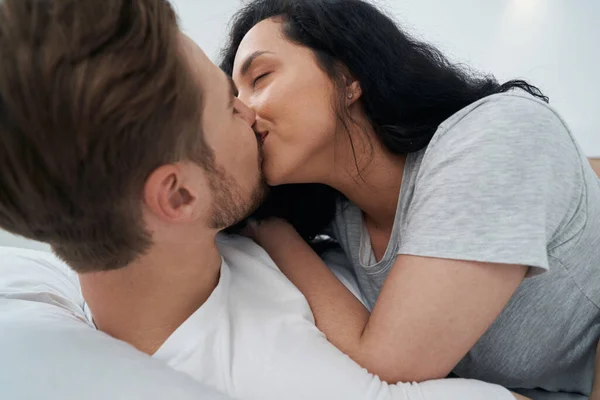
(270,231)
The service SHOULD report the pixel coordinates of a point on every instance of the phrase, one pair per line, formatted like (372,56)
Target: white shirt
(255,338)
(51,351)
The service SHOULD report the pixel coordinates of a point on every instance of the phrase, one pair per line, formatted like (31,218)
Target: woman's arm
(429,314)
(337,312)
(595,165)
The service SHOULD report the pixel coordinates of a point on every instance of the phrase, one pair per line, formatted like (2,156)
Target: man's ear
(168,195)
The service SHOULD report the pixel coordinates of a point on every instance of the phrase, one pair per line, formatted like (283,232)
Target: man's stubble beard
(230,205)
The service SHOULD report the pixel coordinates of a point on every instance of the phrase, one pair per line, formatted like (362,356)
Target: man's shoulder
(257,282)
(242,254)
(39,277)
(265,315)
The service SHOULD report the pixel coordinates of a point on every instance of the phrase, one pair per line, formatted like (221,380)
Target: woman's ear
(353,91)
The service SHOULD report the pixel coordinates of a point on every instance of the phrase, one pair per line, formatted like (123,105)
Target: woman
(447,191)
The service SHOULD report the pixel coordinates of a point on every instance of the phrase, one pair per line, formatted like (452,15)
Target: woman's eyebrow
(248,62)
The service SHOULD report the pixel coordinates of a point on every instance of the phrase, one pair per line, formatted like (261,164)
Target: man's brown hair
(94,96)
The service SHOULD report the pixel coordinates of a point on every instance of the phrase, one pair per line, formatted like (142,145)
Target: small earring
(350,95)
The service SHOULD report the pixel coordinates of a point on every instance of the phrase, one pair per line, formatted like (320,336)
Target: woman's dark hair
(408,87)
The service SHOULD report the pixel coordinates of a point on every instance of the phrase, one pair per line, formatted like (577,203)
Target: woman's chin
(274,178)
(273,181)
(275,175)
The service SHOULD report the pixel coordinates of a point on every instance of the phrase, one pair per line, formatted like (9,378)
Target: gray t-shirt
(503,181)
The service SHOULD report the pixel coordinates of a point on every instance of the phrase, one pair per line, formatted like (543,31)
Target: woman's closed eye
(255,81)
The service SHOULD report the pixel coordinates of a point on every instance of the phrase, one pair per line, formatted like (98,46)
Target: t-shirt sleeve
(495,185)
(39,276)
(304,365)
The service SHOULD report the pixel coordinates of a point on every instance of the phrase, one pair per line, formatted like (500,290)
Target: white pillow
(49,350)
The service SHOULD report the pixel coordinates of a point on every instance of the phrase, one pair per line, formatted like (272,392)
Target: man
(126,149)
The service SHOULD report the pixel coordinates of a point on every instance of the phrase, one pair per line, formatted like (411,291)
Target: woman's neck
(375,189)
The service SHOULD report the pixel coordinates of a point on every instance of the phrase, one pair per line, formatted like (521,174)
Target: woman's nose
(245,112)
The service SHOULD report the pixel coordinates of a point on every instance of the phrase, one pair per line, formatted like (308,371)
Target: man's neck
(145,302)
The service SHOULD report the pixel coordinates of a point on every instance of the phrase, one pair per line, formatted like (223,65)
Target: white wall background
(552,43)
